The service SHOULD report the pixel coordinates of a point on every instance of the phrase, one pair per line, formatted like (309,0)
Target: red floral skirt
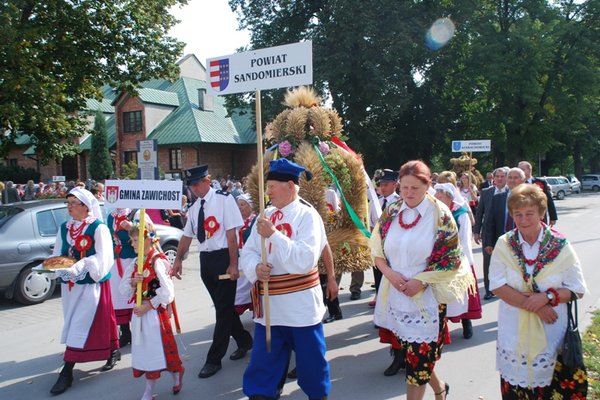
(567,384)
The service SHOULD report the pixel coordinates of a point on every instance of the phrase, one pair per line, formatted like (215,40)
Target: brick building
(190,127)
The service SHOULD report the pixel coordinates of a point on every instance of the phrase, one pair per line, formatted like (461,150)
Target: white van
(591,182)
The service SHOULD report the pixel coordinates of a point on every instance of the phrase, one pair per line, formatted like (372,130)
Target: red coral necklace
(412,224)
(75,232)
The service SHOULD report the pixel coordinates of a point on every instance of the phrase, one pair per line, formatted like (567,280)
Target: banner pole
(261,205)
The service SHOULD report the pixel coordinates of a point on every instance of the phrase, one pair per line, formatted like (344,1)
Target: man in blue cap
(294,238)
(213,220)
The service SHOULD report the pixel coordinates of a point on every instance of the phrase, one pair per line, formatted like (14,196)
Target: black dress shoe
(125,338)
(332,318)
(292,374)
(239,353)
(489,296)
(63,382)
(397,364)
(467,328)
(209,370)
(355,296)
(112,361)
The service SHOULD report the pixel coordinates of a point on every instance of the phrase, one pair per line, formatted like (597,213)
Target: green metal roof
(110,136)
(22,140)
(161,97)
(104,106)
(189,124)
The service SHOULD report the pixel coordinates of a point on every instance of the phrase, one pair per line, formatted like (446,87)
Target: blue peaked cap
(283,170)
(195,174)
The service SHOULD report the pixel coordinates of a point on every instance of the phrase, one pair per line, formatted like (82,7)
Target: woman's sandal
(444,392)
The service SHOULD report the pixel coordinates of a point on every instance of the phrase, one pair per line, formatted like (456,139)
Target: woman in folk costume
(119,226)
(534,271)
(243,299)
(469,308)
(90,329)
(415,246)
(155,350)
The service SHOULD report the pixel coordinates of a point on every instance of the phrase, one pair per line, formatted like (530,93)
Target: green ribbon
(357,221)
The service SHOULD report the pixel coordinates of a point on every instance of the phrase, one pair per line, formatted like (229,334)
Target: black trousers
(377,275)
(332,305)
(486,270)
(222,293)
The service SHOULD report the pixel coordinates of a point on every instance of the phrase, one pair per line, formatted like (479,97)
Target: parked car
(575,184)
(27,235)
(560,186)
(591,182)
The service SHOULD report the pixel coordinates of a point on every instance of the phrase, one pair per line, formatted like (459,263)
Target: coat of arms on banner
(112,194)
(456,145)
(219,74)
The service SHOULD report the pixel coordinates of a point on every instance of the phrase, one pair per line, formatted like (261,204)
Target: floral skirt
(567,384)
(420,357)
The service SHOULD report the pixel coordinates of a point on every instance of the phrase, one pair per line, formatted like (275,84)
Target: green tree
(100,161)
(54,55)
(523,73)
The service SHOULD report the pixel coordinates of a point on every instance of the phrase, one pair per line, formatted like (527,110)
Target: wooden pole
(261,205)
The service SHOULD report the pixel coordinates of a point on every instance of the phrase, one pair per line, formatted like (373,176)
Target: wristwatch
(550,297)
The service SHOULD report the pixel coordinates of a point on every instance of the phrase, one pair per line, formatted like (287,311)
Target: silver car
(560,186)
(27,235)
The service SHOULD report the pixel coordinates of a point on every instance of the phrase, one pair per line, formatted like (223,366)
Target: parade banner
(270,68)
(471,145)
(143,194)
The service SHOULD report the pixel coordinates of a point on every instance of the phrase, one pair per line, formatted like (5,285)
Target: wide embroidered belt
(283,284)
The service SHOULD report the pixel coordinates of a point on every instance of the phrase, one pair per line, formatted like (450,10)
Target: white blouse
(407,251)
(512,365)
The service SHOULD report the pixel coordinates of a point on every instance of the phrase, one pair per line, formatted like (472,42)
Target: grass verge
(591,354)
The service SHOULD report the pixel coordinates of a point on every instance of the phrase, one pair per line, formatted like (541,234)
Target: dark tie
(201,234)
(510,224)
(384,204)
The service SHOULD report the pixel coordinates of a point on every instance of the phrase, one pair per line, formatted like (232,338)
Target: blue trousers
(266,369)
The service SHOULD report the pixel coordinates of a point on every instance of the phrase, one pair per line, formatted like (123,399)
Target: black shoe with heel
(65,379)
(444,392)
(112,361)
(467,328)
(397,364)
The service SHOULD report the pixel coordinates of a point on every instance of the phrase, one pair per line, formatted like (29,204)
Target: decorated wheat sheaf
(305,125)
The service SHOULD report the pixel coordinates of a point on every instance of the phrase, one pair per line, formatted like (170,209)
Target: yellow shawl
(532,337)
(448,271)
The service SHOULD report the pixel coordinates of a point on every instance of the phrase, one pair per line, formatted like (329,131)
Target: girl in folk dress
(119,226)
(155,350)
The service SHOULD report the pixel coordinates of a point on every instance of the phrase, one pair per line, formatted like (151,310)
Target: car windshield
(6,213)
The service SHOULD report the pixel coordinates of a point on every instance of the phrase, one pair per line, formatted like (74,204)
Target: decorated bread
(58,262)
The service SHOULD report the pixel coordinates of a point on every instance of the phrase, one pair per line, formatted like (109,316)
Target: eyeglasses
(72,203)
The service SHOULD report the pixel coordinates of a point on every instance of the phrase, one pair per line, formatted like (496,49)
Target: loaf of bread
(58,262)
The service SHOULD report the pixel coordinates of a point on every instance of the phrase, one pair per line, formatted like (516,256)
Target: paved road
(31,353)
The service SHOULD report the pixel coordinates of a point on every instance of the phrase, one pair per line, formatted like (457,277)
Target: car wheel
(33,288)
(170,251)
(560,195)
(595,188)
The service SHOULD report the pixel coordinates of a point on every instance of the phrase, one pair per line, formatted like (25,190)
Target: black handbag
(572,353)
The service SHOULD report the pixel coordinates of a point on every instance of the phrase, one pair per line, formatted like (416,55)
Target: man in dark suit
(10,194)
(489,181)
(551,217)
(500,221)
(482,214)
